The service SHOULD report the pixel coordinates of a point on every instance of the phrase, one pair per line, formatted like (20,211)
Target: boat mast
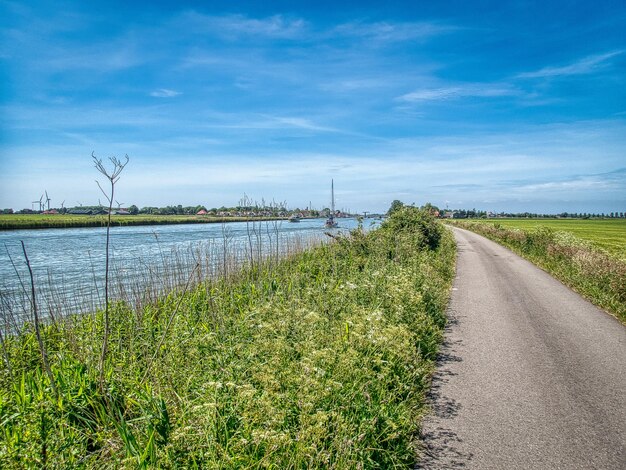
(332,200)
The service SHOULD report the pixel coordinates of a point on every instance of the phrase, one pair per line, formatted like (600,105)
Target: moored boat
(330,221)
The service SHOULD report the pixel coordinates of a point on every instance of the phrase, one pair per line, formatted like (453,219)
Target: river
(69,264)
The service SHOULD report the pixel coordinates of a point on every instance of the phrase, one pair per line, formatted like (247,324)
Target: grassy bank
(607,234)
(597,274)
(41,221)
(319,361)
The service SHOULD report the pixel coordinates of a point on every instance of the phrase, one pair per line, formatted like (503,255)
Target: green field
(608,234)
(34,221)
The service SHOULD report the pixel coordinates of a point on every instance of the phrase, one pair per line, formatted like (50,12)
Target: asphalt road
(531,376)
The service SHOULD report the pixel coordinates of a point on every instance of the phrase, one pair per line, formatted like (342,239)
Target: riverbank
(320,360)
(46,221)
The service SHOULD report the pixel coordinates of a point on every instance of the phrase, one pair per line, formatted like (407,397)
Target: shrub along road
(530,376)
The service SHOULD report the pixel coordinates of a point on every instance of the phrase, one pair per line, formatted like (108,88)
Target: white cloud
(165,93)
(358,84)
(303,123)
(485,90)
(546,162)
(236,121)
(392,32)
(584,66)
(231,26)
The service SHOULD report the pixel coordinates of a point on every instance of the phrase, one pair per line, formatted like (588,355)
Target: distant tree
(428,207)
(395,206)
(134,210)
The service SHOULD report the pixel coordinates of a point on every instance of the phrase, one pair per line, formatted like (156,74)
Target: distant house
(86,211)
(50,211)
(201,212)
(79,211)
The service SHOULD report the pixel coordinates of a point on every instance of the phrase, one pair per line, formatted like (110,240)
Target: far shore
(42,221)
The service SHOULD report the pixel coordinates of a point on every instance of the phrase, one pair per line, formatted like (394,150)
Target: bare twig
(113,177)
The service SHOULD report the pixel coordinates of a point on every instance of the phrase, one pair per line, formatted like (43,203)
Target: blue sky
(504,106)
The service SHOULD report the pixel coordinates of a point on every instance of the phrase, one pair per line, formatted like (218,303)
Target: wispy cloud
(357,84)
(235,26)
(392,32)
(302,123)
(587,65)
(270,122)
(485,90)
(165,93)
(538,185)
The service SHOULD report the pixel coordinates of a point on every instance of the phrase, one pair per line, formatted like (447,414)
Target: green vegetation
(599,274)
(35,221)
(320,360)
(608,234)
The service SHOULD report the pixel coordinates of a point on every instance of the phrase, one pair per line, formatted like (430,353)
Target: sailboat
(330,222)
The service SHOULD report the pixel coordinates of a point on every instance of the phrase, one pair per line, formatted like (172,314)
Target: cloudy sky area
(504,106)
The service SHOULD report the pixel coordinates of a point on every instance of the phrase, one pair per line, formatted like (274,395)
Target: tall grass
(319,359)
(606,234)
(598,275)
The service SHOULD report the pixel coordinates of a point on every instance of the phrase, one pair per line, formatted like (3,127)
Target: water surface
(69,264)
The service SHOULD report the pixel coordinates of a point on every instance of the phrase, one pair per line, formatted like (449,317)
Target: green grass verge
(42,221)
(607,234)
(319,361)
(597,274)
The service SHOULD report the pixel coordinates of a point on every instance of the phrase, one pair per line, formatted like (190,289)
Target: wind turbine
(47,199)
(119,204)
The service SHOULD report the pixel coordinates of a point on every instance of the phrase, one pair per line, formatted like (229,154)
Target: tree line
(481,214)
(264,210)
